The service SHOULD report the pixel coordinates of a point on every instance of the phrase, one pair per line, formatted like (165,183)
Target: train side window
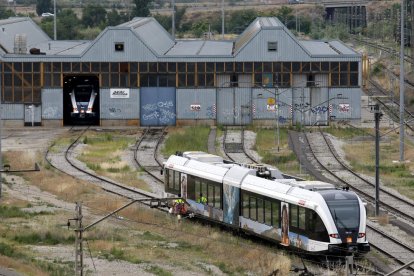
(197,186)
(253,208)
(302,218)
(217,197)
(191,189)
(260,210)
(176,181)
(316,230)
(276,213)
(268,212)
(171,179)
(210,195)
(293,213)
(245,205)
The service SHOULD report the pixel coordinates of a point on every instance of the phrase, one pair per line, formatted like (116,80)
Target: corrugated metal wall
(283,102)
(117,108)
(234,106)
(347,108)
(12,111)
(206,98)
(301,105)
(319,107)
(52,104)
(288,48)
(245,80)
(222,80)
(321,80)
(103,49)
(157,106)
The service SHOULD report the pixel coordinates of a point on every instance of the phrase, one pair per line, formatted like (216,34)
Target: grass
(156,270)
(47,238)
(361,156)
(266,146)
(347,132)
(103,152)
(186,139)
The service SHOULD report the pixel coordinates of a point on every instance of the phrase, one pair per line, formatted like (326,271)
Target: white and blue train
(313,216)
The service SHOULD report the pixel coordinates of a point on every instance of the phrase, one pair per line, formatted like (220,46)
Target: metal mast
(173,19)
(222,19)
(402,44)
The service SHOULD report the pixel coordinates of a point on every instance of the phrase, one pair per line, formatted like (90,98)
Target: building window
(272,46)
(119,46)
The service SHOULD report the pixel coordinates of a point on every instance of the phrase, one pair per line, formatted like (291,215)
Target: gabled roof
(201,48)
(151,33)
(13,26)
(254,28)
(63,47)
(327,48)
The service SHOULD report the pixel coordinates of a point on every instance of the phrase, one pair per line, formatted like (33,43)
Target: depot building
(140,75)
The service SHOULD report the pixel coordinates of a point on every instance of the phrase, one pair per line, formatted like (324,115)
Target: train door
(158,106)
(81,105)
(234,106)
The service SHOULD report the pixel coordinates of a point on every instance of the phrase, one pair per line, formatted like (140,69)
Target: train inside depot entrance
(81,100)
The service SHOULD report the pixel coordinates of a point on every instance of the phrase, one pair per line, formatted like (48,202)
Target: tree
(93,16)
(5,13)
(164,20)
(198,28)
(43,6)
(141,8)
(114,18)
(67,25)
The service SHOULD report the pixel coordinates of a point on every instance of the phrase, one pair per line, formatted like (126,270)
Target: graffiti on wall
(160,110)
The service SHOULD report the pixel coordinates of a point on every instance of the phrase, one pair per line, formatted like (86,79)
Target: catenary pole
(54,20)
(173,19)
(402,44)
(222,19)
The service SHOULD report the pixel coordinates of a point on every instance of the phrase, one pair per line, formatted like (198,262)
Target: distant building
(139,75)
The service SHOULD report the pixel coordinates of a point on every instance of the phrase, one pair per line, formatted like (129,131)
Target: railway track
(390,103)
(234,146)
(392,247)
(65,163)
(145,154)
(322,151)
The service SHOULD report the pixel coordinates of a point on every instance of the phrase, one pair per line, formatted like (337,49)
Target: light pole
(54,20)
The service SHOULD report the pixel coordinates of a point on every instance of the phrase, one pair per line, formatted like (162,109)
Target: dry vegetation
(143,236)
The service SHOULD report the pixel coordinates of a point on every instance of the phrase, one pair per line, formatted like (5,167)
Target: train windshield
(345,213)
(344,208)
(83,93)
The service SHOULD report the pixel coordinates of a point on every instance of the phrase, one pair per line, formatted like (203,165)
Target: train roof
(212,167)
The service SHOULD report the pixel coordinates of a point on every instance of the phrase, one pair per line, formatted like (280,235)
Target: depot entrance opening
(81,100)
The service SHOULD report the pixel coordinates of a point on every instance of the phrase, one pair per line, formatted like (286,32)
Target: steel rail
(357,175)
(367,196)
(137,145)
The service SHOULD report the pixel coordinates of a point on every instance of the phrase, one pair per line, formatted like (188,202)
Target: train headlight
(361,235)
(335,236)
(348,239)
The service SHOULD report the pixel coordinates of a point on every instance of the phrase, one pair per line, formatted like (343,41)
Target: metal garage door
(234,106)
(157,106)
(32,115)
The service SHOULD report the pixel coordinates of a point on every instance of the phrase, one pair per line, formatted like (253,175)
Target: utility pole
(78,240)
(54,20)
(173,19)
(378,116)
(402,44)
(222,19)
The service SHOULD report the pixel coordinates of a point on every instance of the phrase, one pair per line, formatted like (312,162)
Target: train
(310,216)
(83,98)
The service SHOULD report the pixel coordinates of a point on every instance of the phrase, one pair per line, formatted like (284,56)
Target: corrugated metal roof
(62,47)
(201,48)
(247,35)
(9,28)
(318,48)
(151,33)
(341,47)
